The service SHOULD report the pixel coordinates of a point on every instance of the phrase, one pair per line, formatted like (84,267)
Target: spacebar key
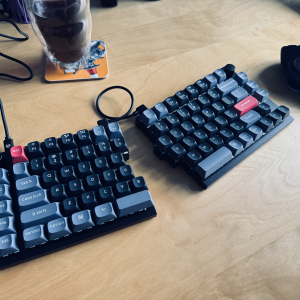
(133,203)
(213,162)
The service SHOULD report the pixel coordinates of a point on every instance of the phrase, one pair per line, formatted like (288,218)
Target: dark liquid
(63,26)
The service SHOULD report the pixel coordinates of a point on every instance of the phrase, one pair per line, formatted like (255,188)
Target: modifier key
(34,236)
(82,220)
(28,184)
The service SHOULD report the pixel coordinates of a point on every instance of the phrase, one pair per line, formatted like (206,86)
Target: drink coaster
(96,67)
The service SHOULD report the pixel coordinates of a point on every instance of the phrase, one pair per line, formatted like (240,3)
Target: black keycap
(193,108)
(211,80)
(92,183)
(109,178)
(217,108)
(70,206)
(104,149)
(205,150)
(49,179)
(113,130)
(100,165)
(160,110)
(188,143)
(226,135)
(210,129)
(88,200)
(181,97)
(88,153)
(187,128)
(265,124)
(193,158)
(236,127)
(256,132)
(220,75)
(35,150)
(159,128)
(99,134)
(275,117)
(197,121)
(122,189)
(213,95)
(171,104)
(125,173)
(283,110)
(182,114)
(66,174)
(58,193)
(55,161)
(171,121)
(192,92)
(75,188)
(106,195)
(71,157)
(163,143)
(177,152)
(241,78)
(201,86)
(246,139)
(199,136)
(175,135)
(261,95)
(119,145)
(84,169)
(220,122)
(203,101)
(207,114)
(51,146)
(238,94)
(235,147)
(116,160)
(37,166)
(138,184)
(263,109)
(230,115)
(216,142)
(148,117)
(227,102)
(67,142)
(251,87)
(84,138)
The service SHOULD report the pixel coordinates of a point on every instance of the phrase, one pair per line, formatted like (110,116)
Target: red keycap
(18,154)
(245,105)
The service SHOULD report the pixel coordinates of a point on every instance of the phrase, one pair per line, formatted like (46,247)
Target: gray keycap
(114,131)
(249,118)
(4,176)
(213,162)
(81,220)
(32,200)
(241,78)
(5,192)
(246,139)
(40,215)
(251,87)
(8,244)
(6,208)
(235,147)
(133,203)
(58,228)
(220,75)
(148,117)
(34,236)
(20,170)
(238,94)
(7,226)
(99,134)
(256,132)
(104,213)
(227,86)
(261,95)
(160,110)
(27,185)
(272,105)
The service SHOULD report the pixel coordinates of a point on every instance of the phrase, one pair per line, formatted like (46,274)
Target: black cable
(25,38)
(4,121)
(126,115)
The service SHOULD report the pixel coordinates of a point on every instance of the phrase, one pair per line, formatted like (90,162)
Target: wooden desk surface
(239,239)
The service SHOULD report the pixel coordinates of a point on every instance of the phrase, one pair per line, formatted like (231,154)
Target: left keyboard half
(67,190)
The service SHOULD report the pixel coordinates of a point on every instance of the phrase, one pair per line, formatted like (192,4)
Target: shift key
(40,215)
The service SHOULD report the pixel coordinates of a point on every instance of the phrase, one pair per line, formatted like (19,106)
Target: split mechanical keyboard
(68,190)
(213,124)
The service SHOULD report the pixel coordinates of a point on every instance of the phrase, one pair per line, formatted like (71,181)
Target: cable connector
(8,144)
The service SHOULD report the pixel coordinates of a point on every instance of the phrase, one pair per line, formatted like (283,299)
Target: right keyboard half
(213,124)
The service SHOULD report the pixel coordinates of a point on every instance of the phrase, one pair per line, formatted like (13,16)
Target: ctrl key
(8,244)
(34,236)
(81,220)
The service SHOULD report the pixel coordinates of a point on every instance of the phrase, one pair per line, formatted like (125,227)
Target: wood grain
(237,240)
